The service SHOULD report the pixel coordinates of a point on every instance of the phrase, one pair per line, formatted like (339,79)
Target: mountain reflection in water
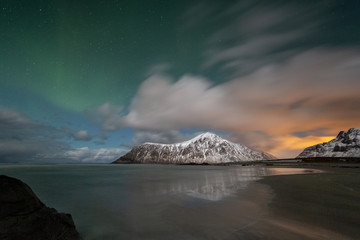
(217,185)
(114,202)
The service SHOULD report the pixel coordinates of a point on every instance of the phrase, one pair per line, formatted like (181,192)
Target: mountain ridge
(206,148)
(346,144)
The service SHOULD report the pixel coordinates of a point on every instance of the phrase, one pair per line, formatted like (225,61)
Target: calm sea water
(153,201)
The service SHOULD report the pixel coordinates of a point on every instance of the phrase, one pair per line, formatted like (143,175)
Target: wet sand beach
(311,206)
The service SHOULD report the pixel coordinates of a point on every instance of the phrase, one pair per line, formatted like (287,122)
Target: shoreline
(342,162)
(313,206)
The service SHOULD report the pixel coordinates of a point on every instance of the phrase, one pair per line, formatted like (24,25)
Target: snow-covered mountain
(205,148)
(346,144)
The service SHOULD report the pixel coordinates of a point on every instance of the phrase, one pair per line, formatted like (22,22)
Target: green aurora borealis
(78,55)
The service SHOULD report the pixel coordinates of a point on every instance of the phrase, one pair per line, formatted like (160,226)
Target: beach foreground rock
(23,216)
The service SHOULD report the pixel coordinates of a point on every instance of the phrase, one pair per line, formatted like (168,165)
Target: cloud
(108,115)
(10,117)
(253,35)
(321,76)
(318,132)
(81,135)
(25,150)
(258,140)
(176,104)
(172,136)
(316,89)
(251,53)
(86,155)
(22,138)
(102,137)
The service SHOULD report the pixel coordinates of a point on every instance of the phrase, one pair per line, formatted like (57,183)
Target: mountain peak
(204,148)
(346,144)
(207,135)
(202,136)
(355,131)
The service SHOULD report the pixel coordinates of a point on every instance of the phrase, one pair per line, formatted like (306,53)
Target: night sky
(84,81)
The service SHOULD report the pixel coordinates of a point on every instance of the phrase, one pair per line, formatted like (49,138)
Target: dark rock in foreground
(345,145)
(23,216)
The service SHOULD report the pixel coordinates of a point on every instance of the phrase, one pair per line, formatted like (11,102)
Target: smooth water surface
(153,201)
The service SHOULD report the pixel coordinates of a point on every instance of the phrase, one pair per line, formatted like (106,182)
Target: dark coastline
(313,206)
(289,162)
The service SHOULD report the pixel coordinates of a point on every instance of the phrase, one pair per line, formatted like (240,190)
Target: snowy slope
(205,148)
(346,144)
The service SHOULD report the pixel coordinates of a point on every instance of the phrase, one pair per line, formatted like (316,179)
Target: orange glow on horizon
(295,144)
(301,143)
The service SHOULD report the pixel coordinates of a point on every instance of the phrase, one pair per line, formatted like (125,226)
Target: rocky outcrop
(206,148)
(346,144)
(23,216)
